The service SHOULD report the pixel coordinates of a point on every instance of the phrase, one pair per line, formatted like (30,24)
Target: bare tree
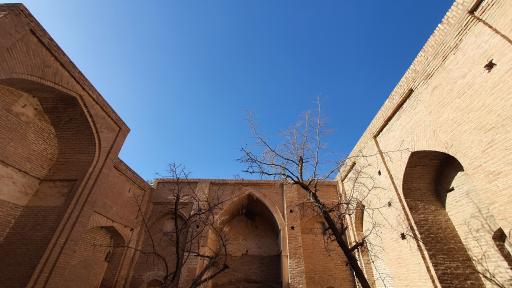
(299,160)
(191,217)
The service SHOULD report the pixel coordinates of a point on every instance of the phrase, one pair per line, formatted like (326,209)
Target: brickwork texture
(439,150)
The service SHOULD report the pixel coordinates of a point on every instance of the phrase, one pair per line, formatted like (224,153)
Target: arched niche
(427,184)
(254,245)
(48,146)
(97,258)
(113,257)
(363,252)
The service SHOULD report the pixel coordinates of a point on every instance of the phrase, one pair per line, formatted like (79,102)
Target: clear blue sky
(183,74)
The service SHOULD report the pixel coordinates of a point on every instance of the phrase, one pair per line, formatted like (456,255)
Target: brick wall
(58,160)
(448,102)
(90,260)
(324,263)
(149,266)
(41,124)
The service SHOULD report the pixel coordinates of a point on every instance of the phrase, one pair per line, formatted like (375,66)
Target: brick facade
(439,150)
(58,168)
(265,249)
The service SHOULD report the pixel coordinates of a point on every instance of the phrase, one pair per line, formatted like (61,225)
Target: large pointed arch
(50,147)
(255,232)
(427,181)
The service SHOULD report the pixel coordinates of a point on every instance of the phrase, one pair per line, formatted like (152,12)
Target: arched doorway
(97,259)
(426,186)
(113,257)
(47,148)
(254,249)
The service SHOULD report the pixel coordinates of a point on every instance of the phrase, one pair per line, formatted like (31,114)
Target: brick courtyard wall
(58,162)
(44,161)
(90,261)
(324,263)
(61,178)
(452,100)
(265,249)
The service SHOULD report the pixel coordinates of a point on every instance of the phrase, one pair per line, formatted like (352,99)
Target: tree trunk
(352,260)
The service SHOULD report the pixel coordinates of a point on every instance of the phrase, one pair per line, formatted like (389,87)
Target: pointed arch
(49,151)
(427,181)
(97,258)
(272,208)
(255,251)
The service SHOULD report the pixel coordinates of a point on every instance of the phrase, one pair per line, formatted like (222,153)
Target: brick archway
(426,185)
(254,249)
(97,258)
(48,148)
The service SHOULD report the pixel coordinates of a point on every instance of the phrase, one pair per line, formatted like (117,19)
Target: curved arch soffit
(10,81)
(115,233)
(166,215)
(420,155)
(153,275)
(431,162)
(112,230)
(441,151)
(19,82)
(224,216)
(99,221)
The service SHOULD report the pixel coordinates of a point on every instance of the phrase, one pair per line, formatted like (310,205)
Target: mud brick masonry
(65,196)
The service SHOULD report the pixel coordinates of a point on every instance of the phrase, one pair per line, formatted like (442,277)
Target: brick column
(296,269)
(192,266)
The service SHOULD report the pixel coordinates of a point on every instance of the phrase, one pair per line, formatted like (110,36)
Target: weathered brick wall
(448,102)
(148,266)
(29,141)
(59,141)
(264,247)
(426,188)
(297,272)
(59,169)
(96,259)
(25,133)
(117,208)
(90,260)
(324,263)
(30,155)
